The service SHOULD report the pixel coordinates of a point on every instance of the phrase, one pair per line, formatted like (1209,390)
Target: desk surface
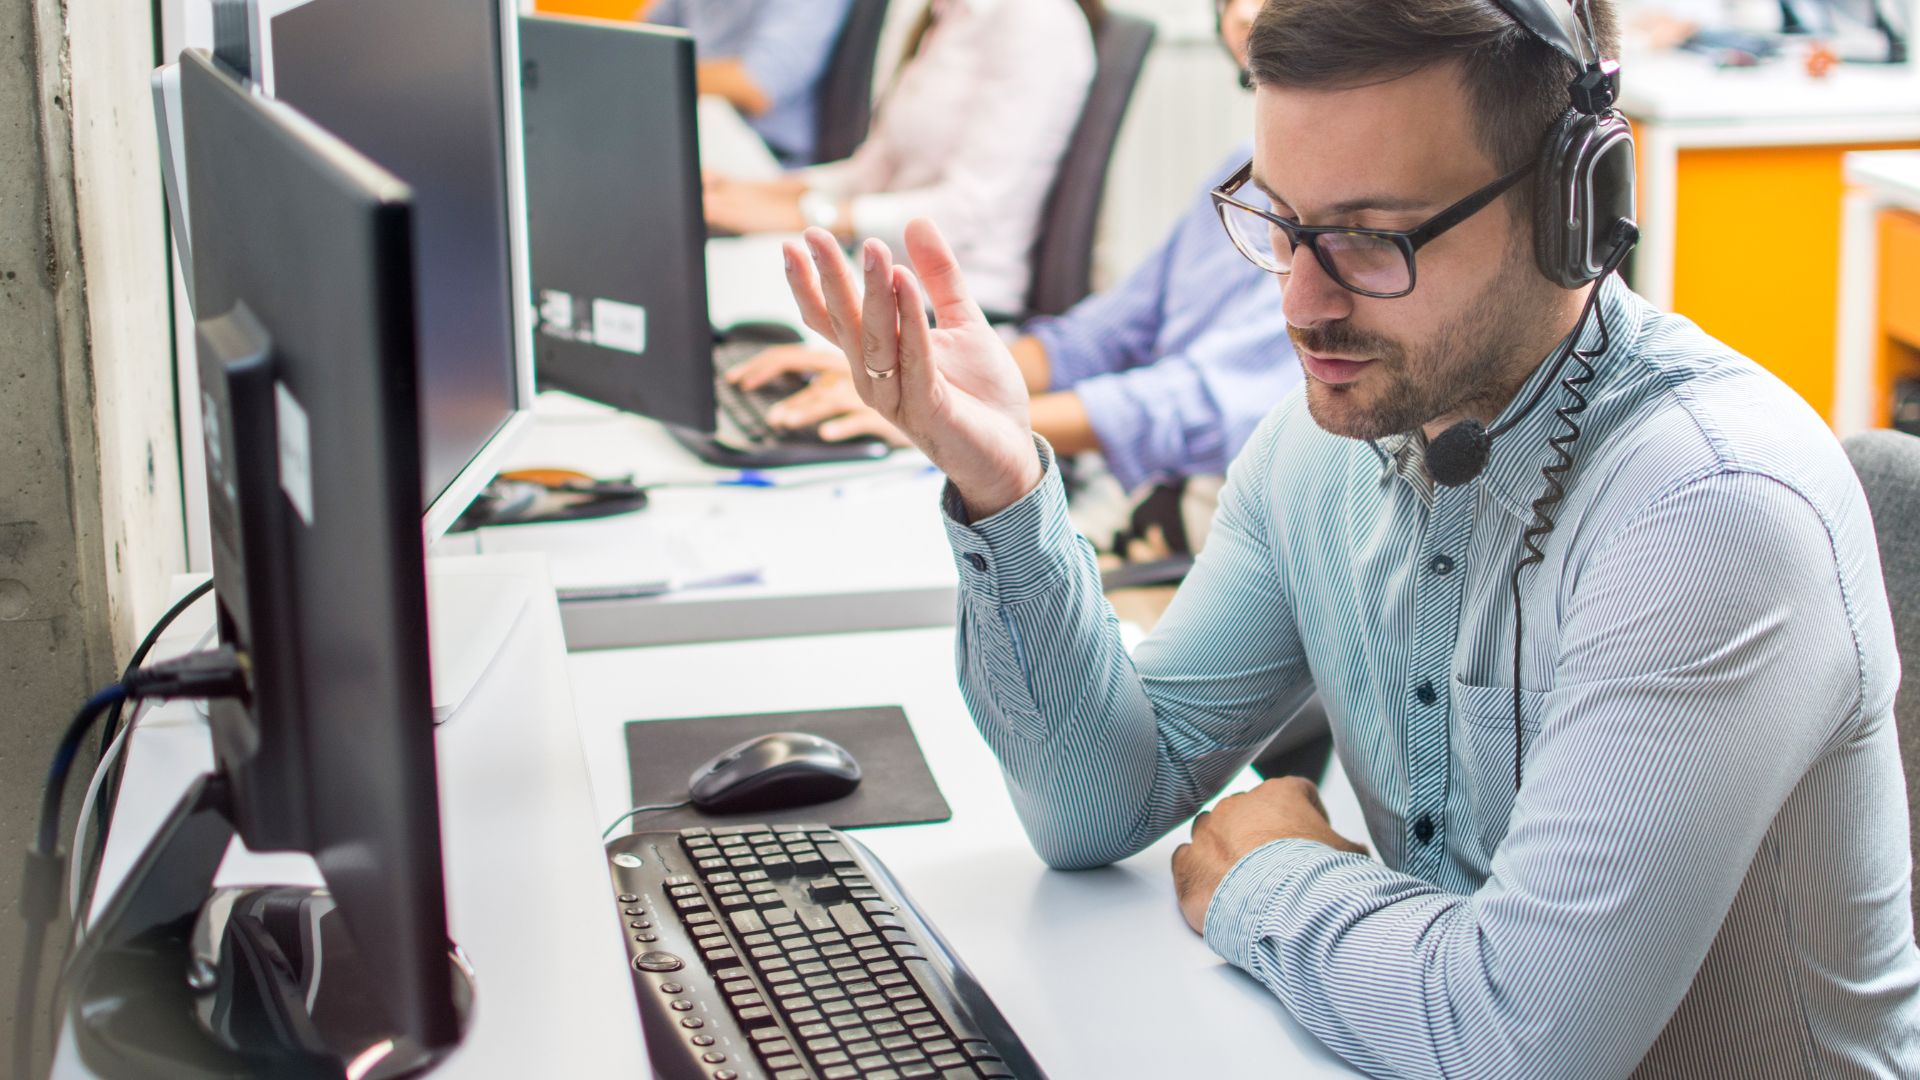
(1096,970)
(1894,175)
(1681,88)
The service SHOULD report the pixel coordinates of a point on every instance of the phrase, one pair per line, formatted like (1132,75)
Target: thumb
(938,269)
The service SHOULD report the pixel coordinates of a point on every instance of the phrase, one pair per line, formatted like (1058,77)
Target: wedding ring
(887,374)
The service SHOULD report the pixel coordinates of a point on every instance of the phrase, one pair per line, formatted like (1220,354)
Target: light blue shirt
(783,44)
(1706,872)
(1178,363)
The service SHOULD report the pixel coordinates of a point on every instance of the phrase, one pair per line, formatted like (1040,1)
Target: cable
(1553,473)
(40,880)
(108,793)
(638,810)
(82,872)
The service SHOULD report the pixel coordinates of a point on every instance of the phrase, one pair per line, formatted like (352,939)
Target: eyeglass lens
(1357,260)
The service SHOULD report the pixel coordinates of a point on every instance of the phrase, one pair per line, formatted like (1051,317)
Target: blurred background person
(766,58)
(969,132)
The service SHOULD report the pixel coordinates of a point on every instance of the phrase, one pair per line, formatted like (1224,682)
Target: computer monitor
(615,218)
(617,231)
(307,327)
(423,87)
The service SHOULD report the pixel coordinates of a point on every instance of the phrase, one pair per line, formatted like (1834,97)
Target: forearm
(1061,419)
(729,79)
(1102,758)
(1036,366)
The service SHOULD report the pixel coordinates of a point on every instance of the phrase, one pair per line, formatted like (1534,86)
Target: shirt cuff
(1020,552)
(1246,898)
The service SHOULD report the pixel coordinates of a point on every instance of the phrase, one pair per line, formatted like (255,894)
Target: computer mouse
(761,332)
(774,772)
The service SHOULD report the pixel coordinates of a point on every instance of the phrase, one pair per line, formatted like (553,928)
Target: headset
(1583,207)
(1583,229)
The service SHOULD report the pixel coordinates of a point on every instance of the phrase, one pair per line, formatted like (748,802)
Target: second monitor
(617,232)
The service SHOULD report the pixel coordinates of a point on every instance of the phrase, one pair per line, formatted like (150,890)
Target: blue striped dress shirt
(783,44)
(1706,872)
(1177,364)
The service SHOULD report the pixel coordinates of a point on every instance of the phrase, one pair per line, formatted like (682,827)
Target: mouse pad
(896,787)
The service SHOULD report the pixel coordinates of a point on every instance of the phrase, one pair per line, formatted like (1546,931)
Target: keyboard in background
(745,440)
(787,952)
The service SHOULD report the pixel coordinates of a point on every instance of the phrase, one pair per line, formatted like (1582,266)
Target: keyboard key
(836,853)
(746,922)
(757,1016)
(917,1070)
(840,1072)
(948,1061)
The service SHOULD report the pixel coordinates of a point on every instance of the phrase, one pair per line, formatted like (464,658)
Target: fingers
(918,376)
(940,270)
(862,421)
(880,326)
(806,290)
(824,400)
(841,293)
(769,364)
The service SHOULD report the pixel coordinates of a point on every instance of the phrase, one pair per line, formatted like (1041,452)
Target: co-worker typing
(1592,601)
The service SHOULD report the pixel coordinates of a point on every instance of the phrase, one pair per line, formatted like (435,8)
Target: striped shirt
(1177,364)
(1706,872)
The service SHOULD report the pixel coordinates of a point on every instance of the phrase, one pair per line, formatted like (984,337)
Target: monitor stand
(180,980)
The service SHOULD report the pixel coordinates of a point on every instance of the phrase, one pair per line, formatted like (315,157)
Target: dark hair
(1518,84)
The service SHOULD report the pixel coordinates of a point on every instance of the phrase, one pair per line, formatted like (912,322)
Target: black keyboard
(747,409)
(787,952)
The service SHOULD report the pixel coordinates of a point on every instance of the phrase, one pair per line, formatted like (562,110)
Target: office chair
(1889,466)
(846,90)
(1062,257)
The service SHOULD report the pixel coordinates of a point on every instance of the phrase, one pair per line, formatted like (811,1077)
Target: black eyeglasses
(1371,262)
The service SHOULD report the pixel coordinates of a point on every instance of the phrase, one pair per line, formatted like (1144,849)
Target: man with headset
(1593,602)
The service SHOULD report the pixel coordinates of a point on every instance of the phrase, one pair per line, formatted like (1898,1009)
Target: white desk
(841,548)
(1096,970)
(1876,181)
(526,877)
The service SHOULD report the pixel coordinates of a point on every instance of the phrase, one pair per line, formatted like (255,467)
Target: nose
(1309,294)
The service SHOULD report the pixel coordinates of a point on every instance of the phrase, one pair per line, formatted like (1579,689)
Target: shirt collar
(1512,475)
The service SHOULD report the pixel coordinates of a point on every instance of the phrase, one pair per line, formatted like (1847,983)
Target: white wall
(110,51)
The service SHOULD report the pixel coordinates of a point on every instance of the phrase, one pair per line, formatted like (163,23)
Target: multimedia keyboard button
(658,961)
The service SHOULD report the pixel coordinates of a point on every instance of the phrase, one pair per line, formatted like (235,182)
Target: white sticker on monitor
(620,326)
(296,452)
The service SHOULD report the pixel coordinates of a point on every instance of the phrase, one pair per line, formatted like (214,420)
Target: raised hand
(953,389)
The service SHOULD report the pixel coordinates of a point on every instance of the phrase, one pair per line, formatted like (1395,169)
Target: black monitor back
(616,227)
(304,274)
(416,85)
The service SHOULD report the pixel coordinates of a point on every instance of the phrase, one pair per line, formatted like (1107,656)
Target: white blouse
(971,134)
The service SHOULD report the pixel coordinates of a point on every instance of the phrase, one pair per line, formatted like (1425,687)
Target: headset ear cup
(1554,243)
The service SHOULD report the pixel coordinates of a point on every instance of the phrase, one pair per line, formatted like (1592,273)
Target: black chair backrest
(846,89)
(1889,466)
(1063,252)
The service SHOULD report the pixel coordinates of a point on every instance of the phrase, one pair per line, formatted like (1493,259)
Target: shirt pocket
(1484,753)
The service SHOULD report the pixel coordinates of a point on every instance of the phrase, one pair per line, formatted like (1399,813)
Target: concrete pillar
(89,465)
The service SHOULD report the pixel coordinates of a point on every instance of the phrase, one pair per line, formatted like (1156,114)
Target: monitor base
(180,980)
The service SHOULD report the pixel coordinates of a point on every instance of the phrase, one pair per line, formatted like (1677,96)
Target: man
(767,58)
(1166,375)
(1678,846)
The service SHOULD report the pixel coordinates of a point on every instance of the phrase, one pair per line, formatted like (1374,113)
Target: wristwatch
(821,211)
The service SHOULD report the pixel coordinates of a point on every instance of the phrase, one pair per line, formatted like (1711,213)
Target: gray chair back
(846,89)
(1889,466)
(1062,258)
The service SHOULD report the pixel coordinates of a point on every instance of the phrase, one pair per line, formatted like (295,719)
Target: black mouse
(762,332)
(774,772)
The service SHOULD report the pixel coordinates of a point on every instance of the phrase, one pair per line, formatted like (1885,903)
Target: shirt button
(976,560)
(1423,829)
(1426,694)
(1440,564)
